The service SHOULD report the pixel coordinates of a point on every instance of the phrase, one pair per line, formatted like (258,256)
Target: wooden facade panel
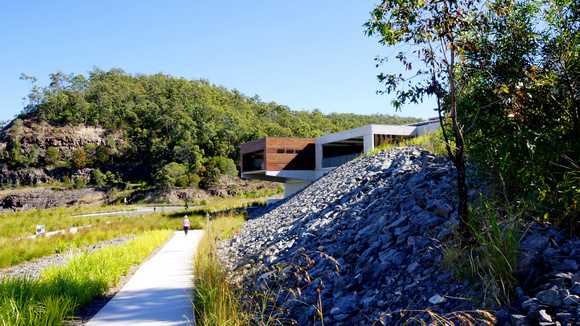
(280,153)
(253,146)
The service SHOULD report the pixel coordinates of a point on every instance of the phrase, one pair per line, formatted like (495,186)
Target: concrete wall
(292,186)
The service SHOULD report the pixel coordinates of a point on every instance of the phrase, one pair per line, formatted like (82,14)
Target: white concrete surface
(160,292)
(292,186)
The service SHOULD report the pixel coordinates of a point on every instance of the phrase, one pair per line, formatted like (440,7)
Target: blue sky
(306,54)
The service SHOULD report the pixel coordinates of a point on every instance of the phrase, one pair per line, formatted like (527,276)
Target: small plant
(494,258)
(491,258)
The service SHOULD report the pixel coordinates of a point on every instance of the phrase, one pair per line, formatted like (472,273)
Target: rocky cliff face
(363,246)
(51,198)
(65,138)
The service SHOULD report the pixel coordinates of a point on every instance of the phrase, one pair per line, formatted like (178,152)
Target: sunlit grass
(490,261)
(23,223)
(433,142)
(216,301)
(53,297)
(18,250)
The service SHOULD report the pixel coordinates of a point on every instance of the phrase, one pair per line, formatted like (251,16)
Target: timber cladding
(280,153)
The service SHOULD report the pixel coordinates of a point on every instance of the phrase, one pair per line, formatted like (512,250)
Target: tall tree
(431,31)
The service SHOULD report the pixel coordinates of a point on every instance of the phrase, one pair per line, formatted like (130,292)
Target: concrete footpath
(159,293)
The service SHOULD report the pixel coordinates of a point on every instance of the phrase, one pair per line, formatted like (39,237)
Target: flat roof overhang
(280,176)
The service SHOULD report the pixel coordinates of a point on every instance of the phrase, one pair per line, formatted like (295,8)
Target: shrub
(79,158)
(98,178)
(172,174)
(79,183)
(52,155)
(102,154)
(16,126)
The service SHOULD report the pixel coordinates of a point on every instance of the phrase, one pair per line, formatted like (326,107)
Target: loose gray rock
(363,241)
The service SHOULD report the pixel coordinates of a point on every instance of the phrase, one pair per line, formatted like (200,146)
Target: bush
(16,126)
(79,158)
(102,154)
(79,183)
(52,156)
(172,174)
(98,178)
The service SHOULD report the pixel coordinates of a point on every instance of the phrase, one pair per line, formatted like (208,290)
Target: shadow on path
(159,293)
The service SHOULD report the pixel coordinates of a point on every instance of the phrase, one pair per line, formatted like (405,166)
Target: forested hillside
(178,126)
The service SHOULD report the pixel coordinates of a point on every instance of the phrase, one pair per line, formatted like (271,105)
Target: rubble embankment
(364,243)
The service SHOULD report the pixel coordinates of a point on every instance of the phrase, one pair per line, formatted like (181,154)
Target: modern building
(297,162)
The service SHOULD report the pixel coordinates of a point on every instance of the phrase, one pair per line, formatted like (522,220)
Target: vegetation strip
(52,298)
(216,302)
(16,251)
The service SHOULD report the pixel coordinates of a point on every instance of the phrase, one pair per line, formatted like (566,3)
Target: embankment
(363,245)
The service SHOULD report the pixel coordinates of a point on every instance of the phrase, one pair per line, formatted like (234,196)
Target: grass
(53,298)
(491,259)
(18,250)
(216,301)
(23,223)
(432,142)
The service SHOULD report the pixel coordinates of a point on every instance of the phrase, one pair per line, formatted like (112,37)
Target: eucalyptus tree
(433,32)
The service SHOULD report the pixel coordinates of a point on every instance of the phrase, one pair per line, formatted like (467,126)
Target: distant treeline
(165,119)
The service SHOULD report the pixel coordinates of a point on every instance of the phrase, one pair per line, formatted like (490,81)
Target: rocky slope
(65,138)
(363,245)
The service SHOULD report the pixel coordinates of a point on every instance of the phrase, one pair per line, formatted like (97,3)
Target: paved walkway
(159,293)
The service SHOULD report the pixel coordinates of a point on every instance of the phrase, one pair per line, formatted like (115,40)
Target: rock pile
(362,246)
(549,278)
(359,243)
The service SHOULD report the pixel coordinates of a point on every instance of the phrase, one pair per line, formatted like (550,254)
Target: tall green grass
(23,223)
(490,260)
(18,250)
(216,301)
(52,298)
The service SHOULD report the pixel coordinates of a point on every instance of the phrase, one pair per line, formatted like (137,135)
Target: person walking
(185,225)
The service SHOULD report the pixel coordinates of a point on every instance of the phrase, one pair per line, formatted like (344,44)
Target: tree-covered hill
(178,126)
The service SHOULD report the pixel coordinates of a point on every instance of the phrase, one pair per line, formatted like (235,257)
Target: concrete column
(318,155)
(368,142)
(292,186)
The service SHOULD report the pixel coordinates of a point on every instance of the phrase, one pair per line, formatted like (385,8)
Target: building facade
(297,162)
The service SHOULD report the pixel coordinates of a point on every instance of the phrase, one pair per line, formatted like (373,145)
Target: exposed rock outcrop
(65,138)
(362,246)
(51,198)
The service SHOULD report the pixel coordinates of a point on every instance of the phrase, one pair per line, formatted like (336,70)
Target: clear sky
(306,54)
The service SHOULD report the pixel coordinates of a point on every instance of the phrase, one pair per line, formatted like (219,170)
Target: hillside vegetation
(188,130)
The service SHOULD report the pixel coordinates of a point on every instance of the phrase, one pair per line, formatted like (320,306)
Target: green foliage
(17,126)
(52,298)
(494,256)
(172,174)
(159,119)
(33,155)
(52,156)
(98,178)
(79,183)
(67,181)
(79,158)
(522,71)
(216,301)
(225,166)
